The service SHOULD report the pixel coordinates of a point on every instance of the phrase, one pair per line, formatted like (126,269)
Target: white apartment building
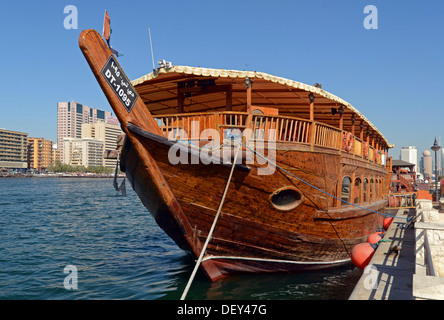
(83,152)
(107,133)
(70,117)
(410,154)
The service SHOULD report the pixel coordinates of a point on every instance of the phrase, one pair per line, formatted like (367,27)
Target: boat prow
(147,180)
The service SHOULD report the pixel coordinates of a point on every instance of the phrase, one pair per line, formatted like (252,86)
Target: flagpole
(151,45)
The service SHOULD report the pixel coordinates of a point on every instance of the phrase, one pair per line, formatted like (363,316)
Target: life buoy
(348,141)
(377,157)
(366,147)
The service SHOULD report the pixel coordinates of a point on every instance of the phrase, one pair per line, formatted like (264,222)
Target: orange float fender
(387,222)
(375,237)
(362,253)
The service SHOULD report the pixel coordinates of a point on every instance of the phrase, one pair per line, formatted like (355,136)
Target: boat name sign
(119,83)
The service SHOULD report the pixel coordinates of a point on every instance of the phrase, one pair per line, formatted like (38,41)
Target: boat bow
(130,108)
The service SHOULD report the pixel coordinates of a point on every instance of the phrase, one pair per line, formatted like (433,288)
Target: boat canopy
(181,89)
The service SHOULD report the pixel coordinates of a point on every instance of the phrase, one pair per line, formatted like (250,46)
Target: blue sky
(393,75)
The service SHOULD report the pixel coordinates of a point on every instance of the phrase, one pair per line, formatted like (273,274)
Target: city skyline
(71,116)
(86,131)
(389,74)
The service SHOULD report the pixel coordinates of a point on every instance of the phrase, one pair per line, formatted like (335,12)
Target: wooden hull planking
(250,235)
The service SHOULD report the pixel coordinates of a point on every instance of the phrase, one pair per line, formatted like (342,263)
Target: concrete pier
(409,263)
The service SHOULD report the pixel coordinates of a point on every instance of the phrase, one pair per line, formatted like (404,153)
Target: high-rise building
(83,152)
(40,153)
(70,117)
(106,132)
(13,146)
(427,163)
(55,153)
(410,154)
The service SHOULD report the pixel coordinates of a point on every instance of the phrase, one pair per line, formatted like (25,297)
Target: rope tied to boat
(210,233)
(122,188)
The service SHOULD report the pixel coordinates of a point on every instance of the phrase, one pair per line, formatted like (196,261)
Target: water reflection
(335,284)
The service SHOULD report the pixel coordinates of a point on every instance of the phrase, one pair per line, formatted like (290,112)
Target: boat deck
(193,127)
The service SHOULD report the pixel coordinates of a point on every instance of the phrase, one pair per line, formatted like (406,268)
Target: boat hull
(251,235)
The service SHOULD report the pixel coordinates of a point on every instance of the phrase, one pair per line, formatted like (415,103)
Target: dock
(409,263)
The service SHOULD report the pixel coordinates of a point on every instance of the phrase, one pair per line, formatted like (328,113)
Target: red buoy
(362,253)
(375,237)
(387,222)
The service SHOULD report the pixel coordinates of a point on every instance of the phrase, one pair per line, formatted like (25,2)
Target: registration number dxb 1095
(119,83)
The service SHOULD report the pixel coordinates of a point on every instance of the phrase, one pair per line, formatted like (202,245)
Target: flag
(106,28)
(107,33)
(115,52)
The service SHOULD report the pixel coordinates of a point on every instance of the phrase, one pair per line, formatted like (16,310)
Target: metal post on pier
(436,147)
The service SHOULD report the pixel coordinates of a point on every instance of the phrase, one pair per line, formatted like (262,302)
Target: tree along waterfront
(63,167)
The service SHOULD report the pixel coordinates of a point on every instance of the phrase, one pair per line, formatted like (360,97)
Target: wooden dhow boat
(310,176)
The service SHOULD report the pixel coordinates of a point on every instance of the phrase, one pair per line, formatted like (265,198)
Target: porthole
(285,199)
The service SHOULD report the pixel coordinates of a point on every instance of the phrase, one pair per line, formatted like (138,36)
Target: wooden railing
(327,136)
(191,126)
(402,200)
(287,129)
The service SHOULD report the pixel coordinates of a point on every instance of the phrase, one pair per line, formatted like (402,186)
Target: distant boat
(312,171)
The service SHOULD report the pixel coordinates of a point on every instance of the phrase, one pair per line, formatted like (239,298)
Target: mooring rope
(185,292)
(122,187)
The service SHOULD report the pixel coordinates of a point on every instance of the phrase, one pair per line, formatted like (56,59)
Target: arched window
(357,191)
(345,190)
(378,194)
(372,190)
(381,189)
(365,193)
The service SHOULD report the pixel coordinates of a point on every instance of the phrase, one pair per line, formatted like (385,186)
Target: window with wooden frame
(345,190)
(365,190)
(357,191)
